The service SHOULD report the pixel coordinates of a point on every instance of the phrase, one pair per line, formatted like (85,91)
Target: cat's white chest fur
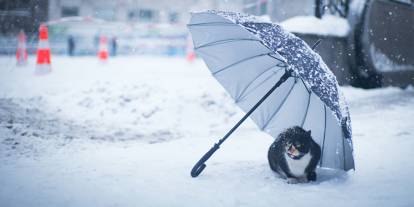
(297,167)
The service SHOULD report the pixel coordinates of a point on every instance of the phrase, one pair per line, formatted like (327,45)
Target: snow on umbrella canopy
(248,56)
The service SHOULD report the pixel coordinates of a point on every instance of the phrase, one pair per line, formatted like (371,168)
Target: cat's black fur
(282,149)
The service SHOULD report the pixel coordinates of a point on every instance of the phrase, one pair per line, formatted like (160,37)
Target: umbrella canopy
(248,56)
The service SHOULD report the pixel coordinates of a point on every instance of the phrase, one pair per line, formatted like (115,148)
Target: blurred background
(366,43)
(138,26)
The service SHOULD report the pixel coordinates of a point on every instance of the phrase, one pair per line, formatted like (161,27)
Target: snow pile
(116,102)
(328,25)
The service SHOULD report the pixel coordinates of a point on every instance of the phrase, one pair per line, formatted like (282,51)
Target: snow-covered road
(127,133)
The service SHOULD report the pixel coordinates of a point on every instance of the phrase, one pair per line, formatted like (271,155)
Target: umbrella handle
(199,166)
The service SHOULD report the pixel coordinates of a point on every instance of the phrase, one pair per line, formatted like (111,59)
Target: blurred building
(28,14)
(147,11)
(16,15)
(279,10)
(140,26)
(174,11)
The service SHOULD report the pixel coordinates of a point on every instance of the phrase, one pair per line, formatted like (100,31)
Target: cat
(294,155)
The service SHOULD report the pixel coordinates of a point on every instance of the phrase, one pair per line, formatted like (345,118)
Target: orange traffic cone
(43,52)
(103,49)
(21,52)
(190,50)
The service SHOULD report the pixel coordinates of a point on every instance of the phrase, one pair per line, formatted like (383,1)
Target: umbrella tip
(316,44)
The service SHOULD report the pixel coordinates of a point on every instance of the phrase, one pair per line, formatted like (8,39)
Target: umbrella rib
(324,134)
(219,42)
(307,109)
(271,55)
(265,80)
(251,82)
(240,61)
(309,90)
(343,150)
(280,106)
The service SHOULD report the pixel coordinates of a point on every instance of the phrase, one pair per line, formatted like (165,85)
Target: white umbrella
(277,79)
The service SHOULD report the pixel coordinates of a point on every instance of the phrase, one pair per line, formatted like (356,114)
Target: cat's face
(298,146)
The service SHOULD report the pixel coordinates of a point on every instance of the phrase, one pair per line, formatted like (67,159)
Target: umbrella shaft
(199,166)
(281,80)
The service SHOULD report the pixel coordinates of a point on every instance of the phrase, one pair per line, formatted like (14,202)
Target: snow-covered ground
(127,133)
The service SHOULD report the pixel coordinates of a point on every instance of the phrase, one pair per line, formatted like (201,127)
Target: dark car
(383,43)
(379,50)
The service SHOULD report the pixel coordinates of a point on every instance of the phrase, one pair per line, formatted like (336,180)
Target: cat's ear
(309,132)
